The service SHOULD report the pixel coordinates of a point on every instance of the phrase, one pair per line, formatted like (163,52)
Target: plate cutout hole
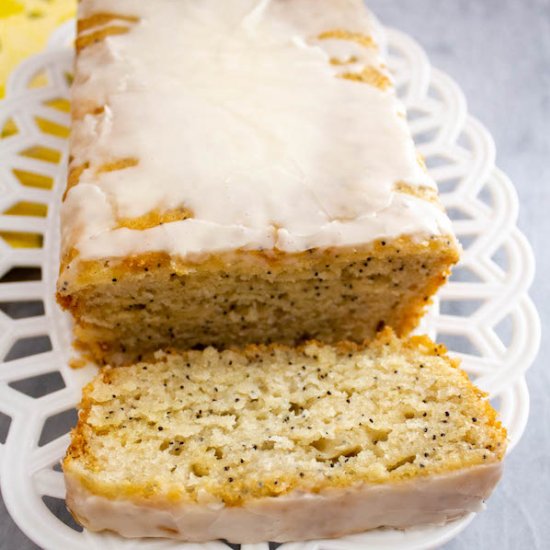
(68,78)
(401,90)
(18,239)
(425,136)
(501,258)
(467,241)
(22,310)
(416,114)
(504,329)
(24,208)
(39,80)
(436,161)
(459,343)
(59,103)
(39,152)
(9,129)
(5,422)
(460,308)
(448,185)
(465,274)
(25,347)
(58,508)
(32,179)
(435,93)
(22,274)
(40,385)
(57,425)
(486,196)
(51,128)
(458,214)
(465,141)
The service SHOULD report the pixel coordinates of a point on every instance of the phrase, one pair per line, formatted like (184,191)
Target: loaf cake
(241,172)
(282,443)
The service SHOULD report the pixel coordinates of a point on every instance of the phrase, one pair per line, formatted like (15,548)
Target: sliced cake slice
(279,443)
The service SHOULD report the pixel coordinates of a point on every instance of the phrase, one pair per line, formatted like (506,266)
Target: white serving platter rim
(498,340)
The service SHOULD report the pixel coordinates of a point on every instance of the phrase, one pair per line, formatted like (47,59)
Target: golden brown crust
(84,41)
(341,34)
(424,193)
(75,172)
(155,218)
(84,273)
(118,164)
(369,75)
(120,25)
(74,176)
(102,18)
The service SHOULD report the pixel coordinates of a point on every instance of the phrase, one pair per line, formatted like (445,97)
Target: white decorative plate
(484,313)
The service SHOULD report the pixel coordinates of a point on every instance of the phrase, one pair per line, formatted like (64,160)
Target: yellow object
(25,26)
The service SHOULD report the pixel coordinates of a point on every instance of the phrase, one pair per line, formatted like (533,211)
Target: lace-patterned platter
(484,314)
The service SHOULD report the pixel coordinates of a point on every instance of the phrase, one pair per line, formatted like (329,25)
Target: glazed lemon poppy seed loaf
(268,191)
(278,443)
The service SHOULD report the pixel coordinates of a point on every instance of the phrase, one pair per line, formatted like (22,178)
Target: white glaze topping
(297,516)
(234,112)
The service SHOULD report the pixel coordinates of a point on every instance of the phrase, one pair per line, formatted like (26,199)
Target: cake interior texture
(210,427)
(124,312)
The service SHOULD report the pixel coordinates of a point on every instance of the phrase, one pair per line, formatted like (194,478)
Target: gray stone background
(499,53)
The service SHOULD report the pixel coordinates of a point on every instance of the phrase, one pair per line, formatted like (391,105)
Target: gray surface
(499,53)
